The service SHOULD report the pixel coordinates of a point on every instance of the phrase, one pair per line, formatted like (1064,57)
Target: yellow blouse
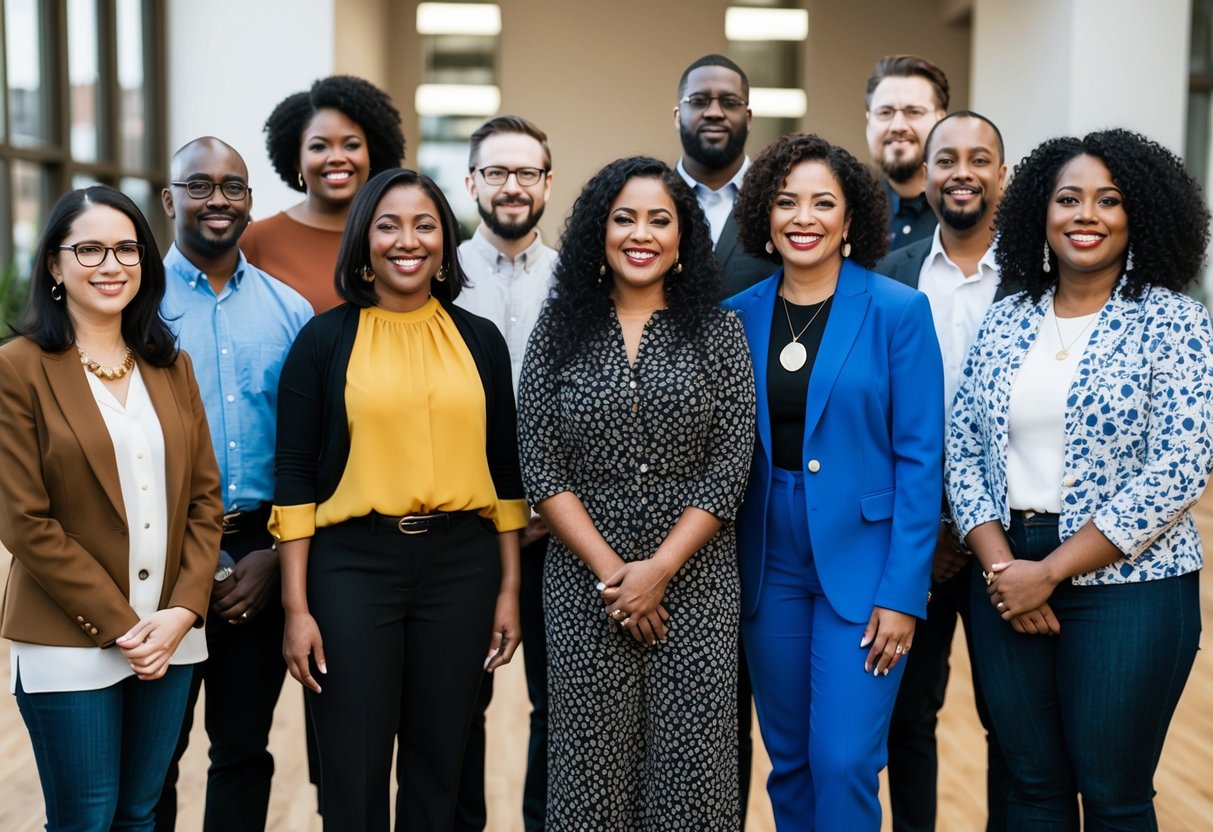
(417,424)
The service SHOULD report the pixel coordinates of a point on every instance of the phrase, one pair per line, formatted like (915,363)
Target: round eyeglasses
(526,177)
(202,189)
(91,255)
(701,101)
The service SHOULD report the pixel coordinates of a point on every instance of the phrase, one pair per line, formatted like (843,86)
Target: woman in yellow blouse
(398,497)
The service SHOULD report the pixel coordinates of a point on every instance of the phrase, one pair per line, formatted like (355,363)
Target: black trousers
(472,815)
(406,621)
(913,755)
(243,676)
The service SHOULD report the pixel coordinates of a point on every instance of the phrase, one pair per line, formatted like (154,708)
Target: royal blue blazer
(873,446)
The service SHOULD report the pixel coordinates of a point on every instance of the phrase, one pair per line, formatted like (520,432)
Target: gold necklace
(1064,353)
(793,356)
(107,373)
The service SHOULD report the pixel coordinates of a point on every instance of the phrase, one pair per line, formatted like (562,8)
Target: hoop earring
(677,267)
(1046,266)
(367,274)
(846,248)
(57,292)
(441,275)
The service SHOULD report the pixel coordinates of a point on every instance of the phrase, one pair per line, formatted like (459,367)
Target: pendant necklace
(1064,353)
(107,373)
(793,356)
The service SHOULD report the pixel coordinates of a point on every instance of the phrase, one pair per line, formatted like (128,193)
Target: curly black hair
(581,296)
(867,207)
(1168,220)
(359,100)
(354,255)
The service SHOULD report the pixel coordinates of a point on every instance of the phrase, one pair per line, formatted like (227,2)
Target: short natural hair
(354,255)
(714,60)
(47,322)
(1168,219)
(866,204)
(507,124)
(359,100)
(1002,148)
(909,66)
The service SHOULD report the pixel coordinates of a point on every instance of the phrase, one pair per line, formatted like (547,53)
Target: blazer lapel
(79,408)
(756,318)
(728,242)
(847,312)
(169,410)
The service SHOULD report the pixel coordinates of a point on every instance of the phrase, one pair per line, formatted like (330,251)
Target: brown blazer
(61,510)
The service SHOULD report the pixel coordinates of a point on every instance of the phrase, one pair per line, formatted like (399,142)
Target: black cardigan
(313,427)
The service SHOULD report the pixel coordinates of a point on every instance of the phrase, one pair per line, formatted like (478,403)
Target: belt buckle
(229,521)
(1029,514)
(402,524)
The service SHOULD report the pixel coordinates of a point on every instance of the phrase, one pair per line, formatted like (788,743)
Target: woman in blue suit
(840,516)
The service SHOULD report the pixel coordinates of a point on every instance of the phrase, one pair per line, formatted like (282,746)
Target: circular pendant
(1062,355)
(793,356)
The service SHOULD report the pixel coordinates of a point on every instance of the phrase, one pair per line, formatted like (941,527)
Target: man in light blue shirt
(237,324)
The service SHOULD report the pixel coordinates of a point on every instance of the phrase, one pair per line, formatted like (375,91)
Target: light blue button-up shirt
(238,342)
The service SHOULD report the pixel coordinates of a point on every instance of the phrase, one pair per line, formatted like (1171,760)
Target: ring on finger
(617,614)
(625,622)
(899,650)
(1001,605)
(989,576)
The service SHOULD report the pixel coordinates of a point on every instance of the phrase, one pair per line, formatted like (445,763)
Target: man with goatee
(712,118)
(906,95)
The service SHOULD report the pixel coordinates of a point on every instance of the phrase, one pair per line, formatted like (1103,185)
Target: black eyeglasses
(202,189)
(91,255)
(526,177)
(701,101)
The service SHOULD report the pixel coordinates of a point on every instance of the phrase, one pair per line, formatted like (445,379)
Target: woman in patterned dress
(636,428)
(1079,441)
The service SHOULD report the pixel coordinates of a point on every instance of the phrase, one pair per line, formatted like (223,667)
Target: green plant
(14,288)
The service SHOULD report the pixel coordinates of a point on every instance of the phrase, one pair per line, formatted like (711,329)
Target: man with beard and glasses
(965,172)
(509,272)
(906,95)
(237,323)
(713,121)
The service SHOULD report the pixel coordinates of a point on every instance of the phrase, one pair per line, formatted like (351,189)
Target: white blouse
(139,451)
(1036,430)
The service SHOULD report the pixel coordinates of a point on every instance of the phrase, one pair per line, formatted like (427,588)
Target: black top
(787,393)
(313,427)
(909,219)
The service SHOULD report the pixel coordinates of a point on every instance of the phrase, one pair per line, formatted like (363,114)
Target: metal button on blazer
(143,574)
(814,466)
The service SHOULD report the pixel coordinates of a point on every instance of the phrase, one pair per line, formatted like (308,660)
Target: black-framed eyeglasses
(912,113)
(202,189)
(91,255)
(701,101)
(495,175)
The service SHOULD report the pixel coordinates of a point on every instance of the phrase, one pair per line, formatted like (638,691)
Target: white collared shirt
(716,204)
(510,293)
(138,442)
(958,305)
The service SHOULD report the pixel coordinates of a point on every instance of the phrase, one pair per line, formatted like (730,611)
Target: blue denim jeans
(1085,713)
(102,754)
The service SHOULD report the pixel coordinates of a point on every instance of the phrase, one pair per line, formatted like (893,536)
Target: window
(1199,144)
(82,103)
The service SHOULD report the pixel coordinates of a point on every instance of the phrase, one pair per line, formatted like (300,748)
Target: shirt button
(905,229)
(814,466)
(144,487)
(223,351)
(231,444)
(644,468)
(231,398)
(147,525)
(232,487)
(193,283)
(513,320)
(93,631)
(144,574)
(79,619)
(139,455)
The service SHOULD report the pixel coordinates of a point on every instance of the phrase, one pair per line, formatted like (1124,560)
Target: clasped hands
(633,598)
(1020,590)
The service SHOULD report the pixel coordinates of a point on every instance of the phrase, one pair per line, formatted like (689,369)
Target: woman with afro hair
(838,527)
(1078,443)
(326,142)
(636,426)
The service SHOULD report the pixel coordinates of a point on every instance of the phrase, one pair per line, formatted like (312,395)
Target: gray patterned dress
(642,738)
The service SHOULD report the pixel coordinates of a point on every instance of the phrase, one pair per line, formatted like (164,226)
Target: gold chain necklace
(107,373)
(1064,353)
(793,356)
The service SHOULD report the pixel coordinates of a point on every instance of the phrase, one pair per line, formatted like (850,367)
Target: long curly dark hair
(867,207)
(359,100)
(581,297)
(1168,220)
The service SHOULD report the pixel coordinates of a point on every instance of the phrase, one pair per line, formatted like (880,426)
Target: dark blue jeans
(102,754)
(1085,713)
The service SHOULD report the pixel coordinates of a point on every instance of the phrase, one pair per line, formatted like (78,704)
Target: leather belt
(246,521)
(416,523)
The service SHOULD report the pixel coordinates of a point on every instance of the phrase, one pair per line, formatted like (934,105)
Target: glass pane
(140,192)
(28,92)
(132,91)
(29,209)
(84,76)
(1201,60)
(83,180)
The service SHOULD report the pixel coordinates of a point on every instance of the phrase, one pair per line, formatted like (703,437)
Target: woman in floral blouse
(636,428)
(1078,443)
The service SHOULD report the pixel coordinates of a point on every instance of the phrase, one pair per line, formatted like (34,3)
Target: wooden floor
(1184,780)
